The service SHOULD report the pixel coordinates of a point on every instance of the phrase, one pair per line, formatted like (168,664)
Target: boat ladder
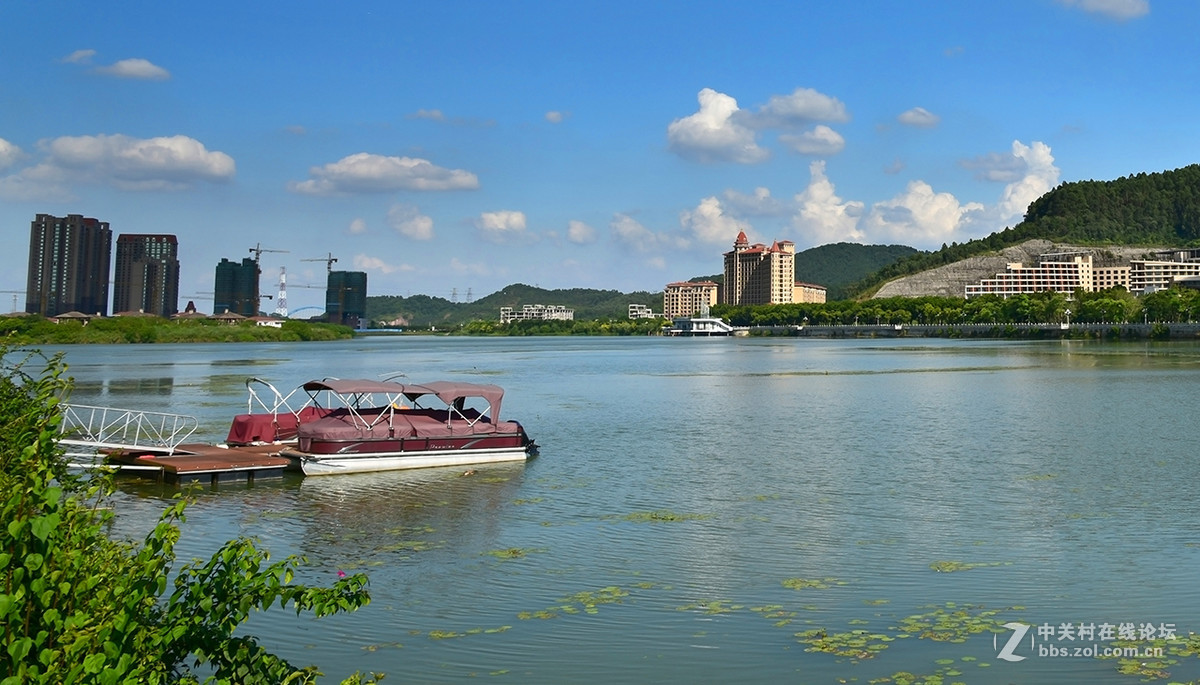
(97,428)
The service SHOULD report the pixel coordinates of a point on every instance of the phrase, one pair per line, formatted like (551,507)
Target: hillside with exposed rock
(951,280)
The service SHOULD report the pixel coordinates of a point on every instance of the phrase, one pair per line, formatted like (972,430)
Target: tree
(79,607)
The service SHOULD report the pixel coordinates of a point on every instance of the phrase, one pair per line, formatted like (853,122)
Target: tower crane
(329,259)
(258,249)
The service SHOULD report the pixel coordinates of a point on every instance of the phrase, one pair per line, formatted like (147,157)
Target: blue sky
(451,148)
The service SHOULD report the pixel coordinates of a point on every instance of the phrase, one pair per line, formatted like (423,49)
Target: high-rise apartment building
(147,274)
(68,265)
(346,297)
(758,274)
(236,287)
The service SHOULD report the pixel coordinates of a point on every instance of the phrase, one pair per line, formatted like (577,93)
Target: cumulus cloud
(357,227)
(502,226)
(369,173)
(821,141)
(580,233)
(713,133)
(821,216)
(139,164)
(135,68)
(1039,178)
(709,223)
(919,216)
(408,221)
(801,108)
(9,154)
(1120,10)
(760,203)
(919,117)
(555,117)
(150,164)
(79,57)
(369,263)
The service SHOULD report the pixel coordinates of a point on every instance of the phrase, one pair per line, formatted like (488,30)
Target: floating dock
(202,463)
(152,444)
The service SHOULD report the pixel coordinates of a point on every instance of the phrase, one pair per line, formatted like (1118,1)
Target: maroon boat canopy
(446,391)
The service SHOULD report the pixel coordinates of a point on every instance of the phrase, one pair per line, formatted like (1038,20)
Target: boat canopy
(446,391)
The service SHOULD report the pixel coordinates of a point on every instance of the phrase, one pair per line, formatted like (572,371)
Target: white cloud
(79,57)
(431,114)
(713,134)
(919,117)
(368,263)
(369,173)
(709,223)
(821,141)
(580,233)
(502,226)
(150,164)
(135,68)
(630,232)
(140,164)
(1040,177)
(821,216)
(801,108)
(9,154)
(555,117)
(919,216)
(761,203)
(357,227)
(1113,9)
(408,221)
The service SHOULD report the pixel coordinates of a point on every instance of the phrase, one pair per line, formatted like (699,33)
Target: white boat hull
(331,464)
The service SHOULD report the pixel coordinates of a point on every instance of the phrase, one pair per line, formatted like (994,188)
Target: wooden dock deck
(204,463)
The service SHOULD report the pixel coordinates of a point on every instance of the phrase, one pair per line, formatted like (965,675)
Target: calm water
(684,485)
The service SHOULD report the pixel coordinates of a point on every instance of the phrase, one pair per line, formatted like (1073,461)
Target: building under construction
(346,298)
(236,287)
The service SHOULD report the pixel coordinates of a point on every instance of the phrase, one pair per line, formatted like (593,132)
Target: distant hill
(839,265)
(1160,209)
(422,311)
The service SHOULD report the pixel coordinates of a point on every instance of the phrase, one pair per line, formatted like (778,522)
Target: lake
(712,510)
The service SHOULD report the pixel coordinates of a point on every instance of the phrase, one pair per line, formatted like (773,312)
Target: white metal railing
(100,427)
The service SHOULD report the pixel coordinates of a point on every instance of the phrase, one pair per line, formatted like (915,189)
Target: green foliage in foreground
(79,607)
(30,330)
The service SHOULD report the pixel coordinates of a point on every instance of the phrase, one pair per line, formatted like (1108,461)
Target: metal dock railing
(98,428)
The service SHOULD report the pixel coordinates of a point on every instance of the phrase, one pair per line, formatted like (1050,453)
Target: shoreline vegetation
(1107,314)
(78,605)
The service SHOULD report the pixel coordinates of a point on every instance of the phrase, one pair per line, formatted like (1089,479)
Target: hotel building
(688,298)
(758,274)
(1064,272)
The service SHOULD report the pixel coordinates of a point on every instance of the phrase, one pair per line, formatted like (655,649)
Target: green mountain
(1144,209)
(838,265)
(422,311)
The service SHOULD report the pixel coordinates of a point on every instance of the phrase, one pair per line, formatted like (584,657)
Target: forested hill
(838,265)
(423,311)
(1144,209)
